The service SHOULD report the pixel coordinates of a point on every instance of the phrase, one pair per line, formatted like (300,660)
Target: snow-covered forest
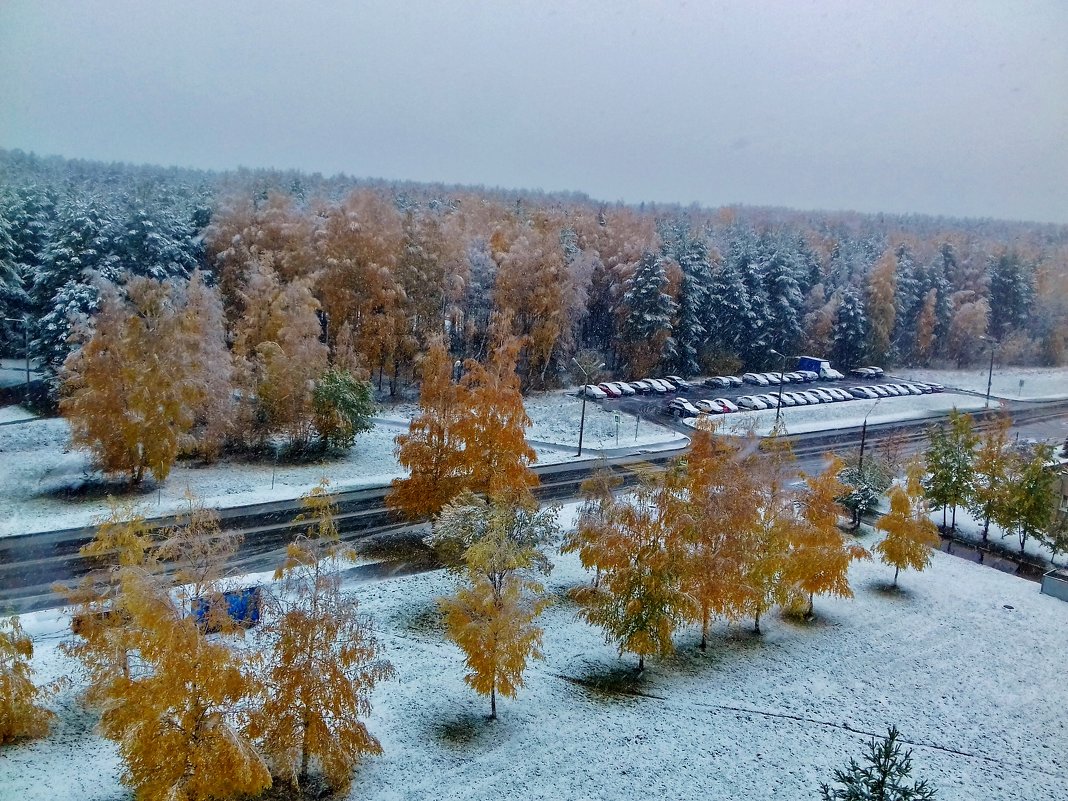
(375,271)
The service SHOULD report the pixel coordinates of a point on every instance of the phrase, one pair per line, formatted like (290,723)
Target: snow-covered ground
(966,661)
(1011,383)
(37,470)
(801,419)
(15,414)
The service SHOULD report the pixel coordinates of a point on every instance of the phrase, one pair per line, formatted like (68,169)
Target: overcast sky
(923,106)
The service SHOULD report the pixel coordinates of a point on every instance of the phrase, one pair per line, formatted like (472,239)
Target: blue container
(242,607)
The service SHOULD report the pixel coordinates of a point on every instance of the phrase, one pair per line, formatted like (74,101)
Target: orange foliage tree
(173,714)
(126,392)
(21,714)
(323,661)
(493,426)
(640,599)
(432,451)
(718,509)
(819,557)
(493,615)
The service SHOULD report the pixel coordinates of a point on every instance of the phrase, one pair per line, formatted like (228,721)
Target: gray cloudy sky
(922,106)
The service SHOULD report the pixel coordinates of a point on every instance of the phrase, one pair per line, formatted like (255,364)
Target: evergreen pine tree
(884,776)
(647,324)
(850,334)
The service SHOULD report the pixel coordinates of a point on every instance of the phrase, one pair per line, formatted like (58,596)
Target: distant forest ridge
(389,267)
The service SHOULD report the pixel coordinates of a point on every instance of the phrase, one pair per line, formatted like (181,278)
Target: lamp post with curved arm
(994,345)
(782,372)
(582,419)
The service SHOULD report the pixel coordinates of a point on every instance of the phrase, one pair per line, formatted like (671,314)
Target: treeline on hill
(387,268)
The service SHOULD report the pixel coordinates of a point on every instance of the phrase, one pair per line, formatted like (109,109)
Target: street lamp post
(994,345)
(778,403)
(582,419)
(860,461)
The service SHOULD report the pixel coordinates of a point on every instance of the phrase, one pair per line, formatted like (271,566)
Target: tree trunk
(954,517)
(641,663)
(944,517)
(493,701)
(756,622)
(986,526)
(704,630)
(809,613)
(896,571)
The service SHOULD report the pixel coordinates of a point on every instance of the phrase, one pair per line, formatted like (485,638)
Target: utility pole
(586,375)
(994,345)
(778,403)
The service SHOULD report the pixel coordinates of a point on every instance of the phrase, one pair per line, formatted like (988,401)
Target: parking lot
(658,405)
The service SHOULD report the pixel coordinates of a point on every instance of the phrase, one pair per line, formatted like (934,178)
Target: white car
(733,380)
(590,391)
(657,386)
(623,387)
(863,393)
(788,399)
(680,382)
(683,405)
(755,378)
(728,405)
(824,395)
(709,407)
(773,378)
(796,397)
(811,397)
(840,393)
(750,402)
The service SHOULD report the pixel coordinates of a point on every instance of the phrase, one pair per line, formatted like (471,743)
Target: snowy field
(966,661)
(1011,383)
(37,470)
(802,419)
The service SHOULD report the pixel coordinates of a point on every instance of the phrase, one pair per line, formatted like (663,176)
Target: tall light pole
(994,345)
(778,404)
(582,419)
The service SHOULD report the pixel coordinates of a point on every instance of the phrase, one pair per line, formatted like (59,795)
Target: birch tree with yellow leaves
(910,533)
(322,662)
(497,550)
(21,713)
(819,556)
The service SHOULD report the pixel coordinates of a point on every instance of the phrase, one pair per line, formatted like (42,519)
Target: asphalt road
(31,563)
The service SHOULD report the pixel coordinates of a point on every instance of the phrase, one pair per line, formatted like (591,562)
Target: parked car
(624,387)
(788,399)
(684,405)
(718,381)
(709,407)
(590,391)
(773,378)
(657,386)
(918,389)
(863,393)
(681,382)
(840,393)
(882,392)
(811,397)
(641,387)
(863,372)
(750,402)
(824,395)
(808,376)
(770,399)
(610,390)
(755,379)
(832,375)
(735,381)
(728,405)
(876,371)
(936,387)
